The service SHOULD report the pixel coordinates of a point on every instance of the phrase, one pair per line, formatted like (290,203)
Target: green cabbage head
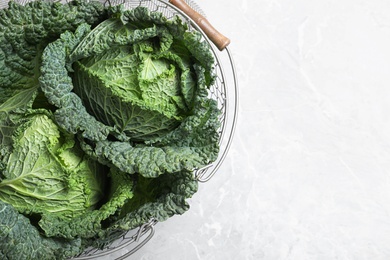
(135,88)
(47,172)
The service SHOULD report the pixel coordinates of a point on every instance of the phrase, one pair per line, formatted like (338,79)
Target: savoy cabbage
(104,115)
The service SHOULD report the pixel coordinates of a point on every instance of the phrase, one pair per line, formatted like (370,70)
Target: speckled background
(308,174)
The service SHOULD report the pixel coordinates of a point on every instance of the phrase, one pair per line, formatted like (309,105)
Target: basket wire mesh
(224,91)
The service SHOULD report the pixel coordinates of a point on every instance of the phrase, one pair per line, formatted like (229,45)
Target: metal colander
(224,91)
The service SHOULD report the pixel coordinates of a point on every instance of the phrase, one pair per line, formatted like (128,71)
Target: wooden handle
(216,37)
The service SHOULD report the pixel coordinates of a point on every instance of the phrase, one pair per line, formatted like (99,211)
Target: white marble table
(308,174)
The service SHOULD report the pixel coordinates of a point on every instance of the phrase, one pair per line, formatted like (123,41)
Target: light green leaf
(47,173)
(22,99)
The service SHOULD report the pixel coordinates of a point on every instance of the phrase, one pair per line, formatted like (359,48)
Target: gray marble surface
(308,174)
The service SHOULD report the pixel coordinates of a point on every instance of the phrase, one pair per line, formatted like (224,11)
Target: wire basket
(224,91)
